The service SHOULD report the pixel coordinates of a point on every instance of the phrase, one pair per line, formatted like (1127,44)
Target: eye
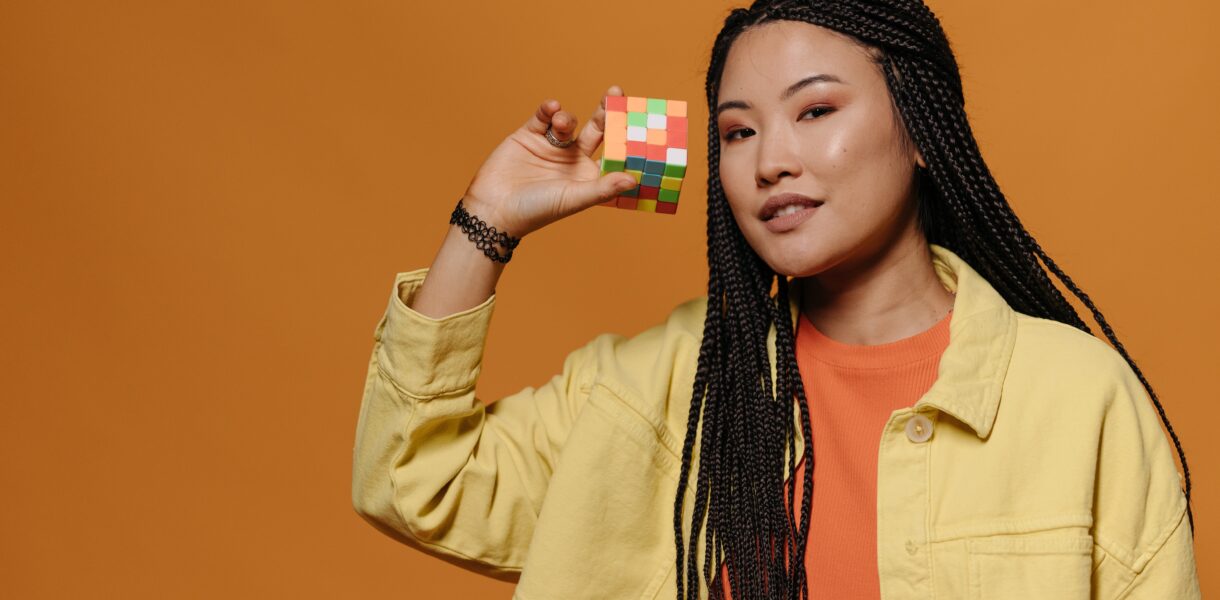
(729,136)
(817,110)
(824,109)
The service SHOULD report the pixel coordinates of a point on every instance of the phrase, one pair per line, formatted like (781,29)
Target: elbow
(360,501)
(373,498)
(381,515)
(368,500)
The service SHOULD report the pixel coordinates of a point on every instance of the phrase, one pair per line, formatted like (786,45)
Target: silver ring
(558,143)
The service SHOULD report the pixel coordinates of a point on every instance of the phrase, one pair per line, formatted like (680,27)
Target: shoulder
(1087,386)
(652,353)
(1081,368)
(1071,359)
(1042,336)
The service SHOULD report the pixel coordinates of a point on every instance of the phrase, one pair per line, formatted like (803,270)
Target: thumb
(604,188)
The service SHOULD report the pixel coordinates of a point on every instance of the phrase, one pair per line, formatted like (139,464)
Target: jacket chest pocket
(1052,565)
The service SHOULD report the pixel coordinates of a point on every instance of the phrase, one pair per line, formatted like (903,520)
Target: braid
(743,425)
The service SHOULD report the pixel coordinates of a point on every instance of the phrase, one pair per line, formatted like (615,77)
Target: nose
(778,156)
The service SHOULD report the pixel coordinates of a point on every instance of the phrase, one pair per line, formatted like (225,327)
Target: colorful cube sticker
(647,138)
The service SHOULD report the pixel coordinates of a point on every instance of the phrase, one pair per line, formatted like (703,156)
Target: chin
(798,265)
(794,256)
(800,253)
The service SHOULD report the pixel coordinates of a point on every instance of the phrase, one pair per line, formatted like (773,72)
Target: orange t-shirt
(851,390)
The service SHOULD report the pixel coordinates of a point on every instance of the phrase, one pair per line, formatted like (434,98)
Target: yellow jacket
(1046,475)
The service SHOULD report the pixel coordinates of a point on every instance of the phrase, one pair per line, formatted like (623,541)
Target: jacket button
(919,428)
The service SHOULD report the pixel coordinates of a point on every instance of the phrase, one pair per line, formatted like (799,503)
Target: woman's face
(838,142)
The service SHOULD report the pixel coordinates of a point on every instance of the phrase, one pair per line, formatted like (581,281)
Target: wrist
(478,224)
(485,212)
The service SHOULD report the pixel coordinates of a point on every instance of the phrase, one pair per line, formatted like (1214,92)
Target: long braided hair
(744,426)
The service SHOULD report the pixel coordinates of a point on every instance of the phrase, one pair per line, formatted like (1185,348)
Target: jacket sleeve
(1140,524)
(433,466)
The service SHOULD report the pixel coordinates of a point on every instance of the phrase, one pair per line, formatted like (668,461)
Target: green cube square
(656,106)
(675,170)
(667,195)
(610,166)
(637,119)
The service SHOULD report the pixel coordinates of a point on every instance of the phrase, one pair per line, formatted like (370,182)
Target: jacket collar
(982,333)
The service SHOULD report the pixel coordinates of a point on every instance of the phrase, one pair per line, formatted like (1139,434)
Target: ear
(919,160)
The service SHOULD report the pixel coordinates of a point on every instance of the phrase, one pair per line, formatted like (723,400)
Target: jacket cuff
(425,357)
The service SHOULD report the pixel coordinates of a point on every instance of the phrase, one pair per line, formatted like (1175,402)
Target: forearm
(461,275)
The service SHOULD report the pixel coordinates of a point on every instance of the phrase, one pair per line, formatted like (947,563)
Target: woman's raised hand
(527,182)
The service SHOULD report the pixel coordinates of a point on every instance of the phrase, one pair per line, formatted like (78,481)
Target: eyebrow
(792,89)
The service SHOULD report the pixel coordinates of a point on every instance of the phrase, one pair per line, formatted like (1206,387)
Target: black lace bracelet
(482,235)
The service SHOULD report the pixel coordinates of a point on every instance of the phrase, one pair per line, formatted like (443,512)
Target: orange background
(204,205)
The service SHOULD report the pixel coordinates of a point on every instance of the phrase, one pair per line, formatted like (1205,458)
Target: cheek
(737,181)
(856,163)
(842,152)
(730,171)
(735,178)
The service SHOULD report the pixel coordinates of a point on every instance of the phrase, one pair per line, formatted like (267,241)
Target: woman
(956,401)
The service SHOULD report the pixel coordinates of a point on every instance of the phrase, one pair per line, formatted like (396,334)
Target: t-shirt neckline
(915,348)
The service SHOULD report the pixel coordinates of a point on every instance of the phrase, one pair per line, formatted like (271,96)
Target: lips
(775,203)
(783,223)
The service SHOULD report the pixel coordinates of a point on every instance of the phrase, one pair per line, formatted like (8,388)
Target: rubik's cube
(646,137)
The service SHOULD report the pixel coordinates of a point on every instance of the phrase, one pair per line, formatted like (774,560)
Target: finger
(542,117)
(591,136)
(563,125)
(584,194)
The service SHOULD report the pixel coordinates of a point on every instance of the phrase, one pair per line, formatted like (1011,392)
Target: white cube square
(675,156)
(656,121)
(635,133)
